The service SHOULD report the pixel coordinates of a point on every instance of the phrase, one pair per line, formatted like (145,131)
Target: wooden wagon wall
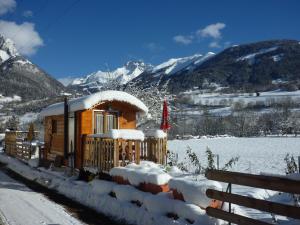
(54,137)
(84,123)
(54,141)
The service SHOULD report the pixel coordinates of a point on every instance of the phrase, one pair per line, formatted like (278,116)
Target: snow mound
(194,192)
(89,101)
(147,172)
(156,133)
(128,134)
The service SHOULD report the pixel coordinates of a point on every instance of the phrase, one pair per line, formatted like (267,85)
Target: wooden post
(116,153)
(229,207)
(66,127)
(137,151)
(299,163)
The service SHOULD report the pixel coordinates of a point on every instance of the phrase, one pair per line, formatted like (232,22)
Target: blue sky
(77,37)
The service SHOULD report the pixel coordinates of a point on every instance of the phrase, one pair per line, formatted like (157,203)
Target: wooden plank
(137,151)
(259,181)
(130,156)
(233,218)
(116,153)
(263,205)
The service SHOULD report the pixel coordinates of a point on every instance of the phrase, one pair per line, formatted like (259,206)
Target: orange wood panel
(127,113)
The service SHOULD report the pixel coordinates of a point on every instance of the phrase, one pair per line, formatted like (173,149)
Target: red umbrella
(165,118)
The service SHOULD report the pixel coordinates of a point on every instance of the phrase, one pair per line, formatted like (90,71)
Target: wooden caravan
(89,121)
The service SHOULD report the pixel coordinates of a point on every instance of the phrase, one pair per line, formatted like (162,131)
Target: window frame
(105,113)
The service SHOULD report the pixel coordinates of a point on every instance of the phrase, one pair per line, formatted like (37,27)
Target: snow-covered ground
(20,205)
(257,155)
(97,195)
(263,154)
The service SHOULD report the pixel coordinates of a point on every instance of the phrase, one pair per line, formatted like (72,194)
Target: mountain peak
(96,80)
(7,48)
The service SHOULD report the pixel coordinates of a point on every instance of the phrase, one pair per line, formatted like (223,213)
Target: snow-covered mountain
(174,65)
(132,70)
(20,77)
(172,68)
(97,80)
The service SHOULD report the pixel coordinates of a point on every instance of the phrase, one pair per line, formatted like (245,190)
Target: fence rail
(105,153)
(258,181)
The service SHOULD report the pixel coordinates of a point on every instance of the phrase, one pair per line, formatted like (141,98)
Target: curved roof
(87,102)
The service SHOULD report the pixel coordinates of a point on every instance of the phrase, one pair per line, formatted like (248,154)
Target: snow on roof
(129,134)
(89,101)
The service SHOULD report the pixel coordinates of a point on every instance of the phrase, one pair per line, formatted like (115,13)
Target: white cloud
(214,44)
(7,6)
(25,37)
(185,40)
(212,30)
(28,13)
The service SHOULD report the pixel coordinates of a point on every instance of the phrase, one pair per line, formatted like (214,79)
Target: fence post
(299,164)
(218,161)
(229,207)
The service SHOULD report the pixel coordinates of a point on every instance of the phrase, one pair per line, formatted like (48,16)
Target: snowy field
(256,154)
(228,99)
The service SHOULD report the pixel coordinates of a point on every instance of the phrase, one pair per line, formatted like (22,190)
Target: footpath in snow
(21,205)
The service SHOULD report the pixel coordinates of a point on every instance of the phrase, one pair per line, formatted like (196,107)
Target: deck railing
(103,154)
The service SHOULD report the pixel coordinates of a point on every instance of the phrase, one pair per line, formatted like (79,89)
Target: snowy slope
(251,57)
(20,205)
(174,65)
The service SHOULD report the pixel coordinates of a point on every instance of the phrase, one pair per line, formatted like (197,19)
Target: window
(99,128)
(54,126)
(109,122)
(105,121)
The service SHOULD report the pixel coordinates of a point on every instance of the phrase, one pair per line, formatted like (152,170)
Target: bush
(192,162)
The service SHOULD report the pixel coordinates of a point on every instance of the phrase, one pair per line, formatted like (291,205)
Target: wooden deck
(103,154)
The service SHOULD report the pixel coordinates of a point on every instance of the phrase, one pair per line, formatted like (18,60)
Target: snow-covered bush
(191,162)
(292,168)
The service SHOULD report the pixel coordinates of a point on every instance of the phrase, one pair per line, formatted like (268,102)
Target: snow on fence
(102,153)
(275,183)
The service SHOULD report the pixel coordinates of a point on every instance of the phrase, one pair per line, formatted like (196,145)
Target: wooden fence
(17,146)
(12,139)
(258,181)
(105,153)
